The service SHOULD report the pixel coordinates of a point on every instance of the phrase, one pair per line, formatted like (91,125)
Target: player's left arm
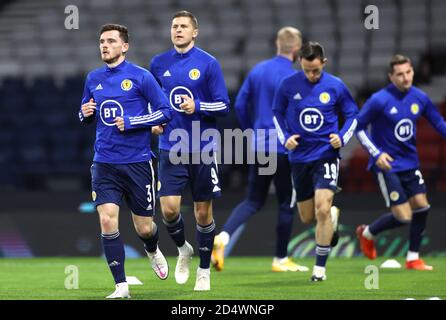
(280,105)
(434,117)
(87,111)
(350,110)
(161,110)
(219,104)
(367,116)
(242,104)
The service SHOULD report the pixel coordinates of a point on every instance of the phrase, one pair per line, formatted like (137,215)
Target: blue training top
(392,115)
(311,110)
(254,101)
(124,91)
(198,75)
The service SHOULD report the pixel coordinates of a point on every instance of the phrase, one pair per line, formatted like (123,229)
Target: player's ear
(195,34)
(125,47)
(390,76)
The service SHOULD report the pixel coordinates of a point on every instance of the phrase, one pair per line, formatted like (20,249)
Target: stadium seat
(426,134)
(230,30)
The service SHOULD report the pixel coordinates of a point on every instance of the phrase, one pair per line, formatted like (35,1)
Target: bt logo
(404,130)
(109,110)
(175,97)
(311,119)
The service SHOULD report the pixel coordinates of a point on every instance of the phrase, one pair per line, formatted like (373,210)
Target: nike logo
(161,273)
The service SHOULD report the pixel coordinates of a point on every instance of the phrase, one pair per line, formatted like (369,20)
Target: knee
(144,230)
(322,213)
(170,213)
(203,216)
(108,223)
(405,218)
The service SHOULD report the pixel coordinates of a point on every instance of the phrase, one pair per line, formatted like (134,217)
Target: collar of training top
(117,68)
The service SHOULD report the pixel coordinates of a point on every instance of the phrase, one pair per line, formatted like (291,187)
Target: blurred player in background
(392,114)
(193,81)
(117,95)
(305,108)
(256,97)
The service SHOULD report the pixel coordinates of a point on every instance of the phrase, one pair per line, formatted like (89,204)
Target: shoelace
(155,259)
(202,278)
(159,260)
(181,260)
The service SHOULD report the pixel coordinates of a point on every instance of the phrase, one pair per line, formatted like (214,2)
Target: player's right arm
(159,129)
(242,102)
(366,116)
(280,104)
(88,106)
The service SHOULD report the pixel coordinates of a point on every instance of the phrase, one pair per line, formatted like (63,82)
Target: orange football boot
(367,246)
(418,265)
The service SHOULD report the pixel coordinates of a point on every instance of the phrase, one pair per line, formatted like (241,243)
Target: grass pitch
(244,278)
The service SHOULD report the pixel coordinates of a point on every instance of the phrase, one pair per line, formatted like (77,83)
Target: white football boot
(121,291)
(203,281)
(159,264)
(183,263)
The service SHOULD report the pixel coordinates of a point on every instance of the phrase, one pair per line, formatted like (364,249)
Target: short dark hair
(123,31)
(398,59)
(187,14)
(311,50)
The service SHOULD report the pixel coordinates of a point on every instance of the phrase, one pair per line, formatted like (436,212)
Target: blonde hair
(288,38)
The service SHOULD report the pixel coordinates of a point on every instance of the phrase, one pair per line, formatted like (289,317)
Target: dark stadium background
(45,154)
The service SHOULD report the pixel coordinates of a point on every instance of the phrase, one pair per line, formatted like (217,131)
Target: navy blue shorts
(318,174)
(173,178)
(134,182)
(399,187)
